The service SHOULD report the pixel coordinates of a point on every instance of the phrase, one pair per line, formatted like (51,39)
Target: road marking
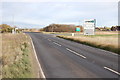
(112,70)
(49,40)
(56,43)
(42,73)
(115,54)
(110,52)
(75,53)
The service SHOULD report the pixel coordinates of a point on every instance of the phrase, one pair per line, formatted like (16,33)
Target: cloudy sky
(41,14)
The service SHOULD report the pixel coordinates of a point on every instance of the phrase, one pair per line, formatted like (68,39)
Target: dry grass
(0,56)
(16,56)
(105,41)
(107,32)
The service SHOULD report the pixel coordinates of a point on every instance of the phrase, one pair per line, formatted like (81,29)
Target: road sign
(77,29)
(89,27)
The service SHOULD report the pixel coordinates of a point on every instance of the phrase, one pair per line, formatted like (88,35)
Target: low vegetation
(17,56)
(61,28)
(104,41)
(4,28)
(0,56)
(72,28)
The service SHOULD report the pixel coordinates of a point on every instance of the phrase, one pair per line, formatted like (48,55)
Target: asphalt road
(61,58)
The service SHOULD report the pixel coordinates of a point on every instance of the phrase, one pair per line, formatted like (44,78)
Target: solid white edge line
(56,43)
(115,54)
(43,76)
(112,70)
(75,53)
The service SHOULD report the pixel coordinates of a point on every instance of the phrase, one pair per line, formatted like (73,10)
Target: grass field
(104,40)
(17,57)
(0,56)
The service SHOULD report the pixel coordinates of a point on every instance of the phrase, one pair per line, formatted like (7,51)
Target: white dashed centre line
(112,70)
(56,43)
(75,53)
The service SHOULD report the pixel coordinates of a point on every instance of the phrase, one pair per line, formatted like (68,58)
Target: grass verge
(93,44)
(17,56)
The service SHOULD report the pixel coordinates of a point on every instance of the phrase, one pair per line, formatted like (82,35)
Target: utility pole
(52,28)
(13,20)
(13,30)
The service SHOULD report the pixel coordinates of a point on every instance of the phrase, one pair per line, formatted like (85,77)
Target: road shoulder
(36,65)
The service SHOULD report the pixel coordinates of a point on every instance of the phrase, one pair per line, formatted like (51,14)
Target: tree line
(4,28)
(72,28)
(113,28)
(61,28)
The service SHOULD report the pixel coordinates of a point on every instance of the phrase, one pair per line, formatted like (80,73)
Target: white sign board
(89,27)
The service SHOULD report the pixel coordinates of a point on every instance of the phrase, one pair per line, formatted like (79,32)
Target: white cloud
(0,13)
(44,13)
(60,0)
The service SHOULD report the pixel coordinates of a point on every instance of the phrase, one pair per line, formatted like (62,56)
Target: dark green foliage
(115,28)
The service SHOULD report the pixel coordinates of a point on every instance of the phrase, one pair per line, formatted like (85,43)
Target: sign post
(73,34)
(89,27)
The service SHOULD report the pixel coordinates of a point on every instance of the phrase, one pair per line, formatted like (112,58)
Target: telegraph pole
(13,20)
(13,30)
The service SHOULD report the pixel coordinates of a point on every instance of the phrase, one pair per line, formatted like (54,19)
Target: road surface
(61,58)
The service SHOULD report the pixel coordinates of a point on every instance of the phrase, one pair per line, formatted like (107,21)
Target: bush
(5,28)
(61,28)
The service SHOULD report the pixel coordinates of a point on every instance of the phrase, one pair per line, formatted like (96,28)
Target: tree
(60,28)
(118,28)
(113,28)
(5,28)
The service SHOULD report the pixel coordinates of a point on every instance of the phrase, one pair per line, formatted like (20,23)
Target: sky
(28,14)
